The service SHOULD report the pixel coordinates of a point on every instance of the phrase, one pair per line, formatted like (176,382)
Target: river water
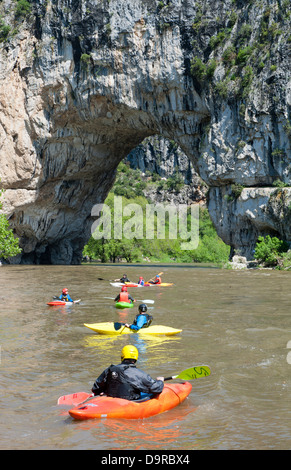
(237,322)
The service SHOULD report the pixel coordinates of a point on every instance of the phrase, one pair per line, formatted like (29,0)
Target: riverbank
(240,262)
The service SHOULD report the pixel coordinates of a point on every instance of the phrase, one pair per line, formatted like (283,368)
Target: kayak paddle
(146,301)
(156,275)
(191,373)
(74,301)
(188,374)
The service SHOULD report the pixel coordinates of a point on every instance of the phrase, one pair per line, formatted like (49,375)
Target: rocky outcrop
(158,155)
(241,262)
(240,219)
(83,83)
(162,158)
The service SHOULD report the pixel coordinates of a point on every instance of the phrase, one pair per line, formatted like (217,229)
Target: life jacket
(117,384)
(65,298)
(149,320)
(158,281)
(123,297)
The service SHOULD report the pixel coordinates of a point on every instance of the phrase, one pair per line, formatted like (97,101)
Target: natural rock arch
(83,83)
(76,171)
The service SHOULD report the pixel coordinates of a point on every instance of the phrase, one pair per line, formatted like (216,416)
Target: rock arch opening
(77,168)
(156,176)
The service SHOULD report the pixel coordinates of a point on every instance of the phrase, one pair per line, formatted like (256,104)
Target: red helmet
(141,277)
(124,289)
(65,291)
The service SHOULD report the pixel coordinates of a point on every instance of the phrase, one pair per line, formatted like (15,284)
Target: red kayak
(108,407)
(55,303)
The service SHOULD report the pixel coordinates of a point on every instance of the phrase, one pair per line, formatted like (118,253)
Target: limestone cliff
(163,158)
(82,83)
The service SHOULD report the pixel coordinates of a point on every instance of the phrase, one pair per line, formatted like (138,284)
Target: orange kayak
(108,407)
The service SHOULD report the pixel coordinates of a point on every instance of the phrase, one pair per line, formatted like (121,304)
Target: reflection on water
(236,322)
(153,433)
(153,350)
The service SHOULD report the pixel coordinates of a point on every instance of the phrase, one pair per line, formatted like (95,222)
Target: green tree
(4,30)
(269,249)
(23,8)
(9,245)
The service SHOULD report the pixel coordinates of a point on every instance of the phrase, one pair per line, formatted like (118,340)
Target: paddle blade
(147,301)
(118,325)
(194,373)
(74,398)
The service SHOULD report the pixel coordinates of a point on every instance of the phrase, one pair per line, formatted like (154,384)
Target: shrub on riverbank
(271,252)
(9,245)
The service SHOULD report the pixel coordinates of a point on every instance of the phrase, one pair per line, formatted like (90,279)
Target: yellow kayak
(111,328)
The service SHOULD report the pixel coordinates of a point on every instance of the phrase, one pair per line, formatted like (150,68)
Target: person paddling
(65,296)
(126,381)
(157,280)
(141,281)
(142,319)
(124,279)
(124,296)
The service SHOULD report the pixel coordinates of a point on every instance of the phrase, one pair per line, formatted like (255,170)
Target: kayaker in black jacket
(126,381)
(124,279)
